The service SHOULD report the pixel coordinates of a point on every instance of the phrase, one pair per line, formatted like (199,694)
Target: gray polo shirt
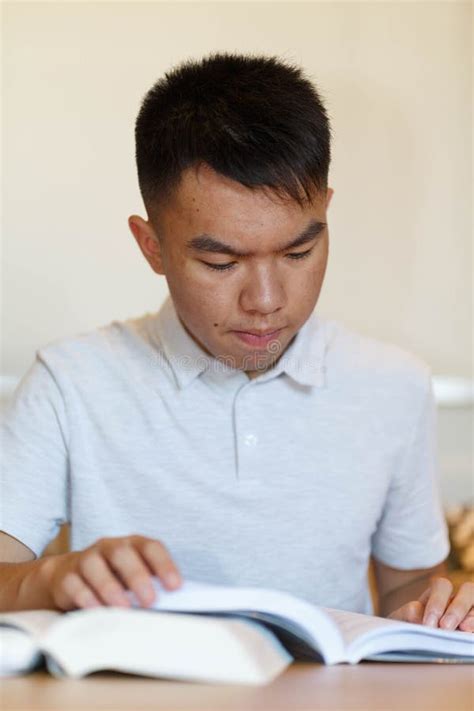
(290,480)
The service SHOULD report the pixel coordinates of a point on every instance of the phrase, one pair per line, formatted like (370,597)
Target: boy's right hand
(100,574)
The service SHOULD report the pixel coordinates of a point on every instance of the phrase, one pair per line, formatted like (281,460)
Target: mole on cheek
(216,324)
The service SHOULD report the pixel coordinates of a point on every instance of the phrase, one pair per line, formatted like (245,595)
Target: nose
(263,290)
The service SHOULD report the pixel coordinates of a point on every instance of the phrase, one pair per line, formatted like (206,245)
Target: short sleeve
(412,531)
(34,471)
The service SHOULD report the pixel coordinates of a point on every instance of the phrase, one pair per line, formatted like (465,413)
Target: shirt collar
(186,359)
(303,360)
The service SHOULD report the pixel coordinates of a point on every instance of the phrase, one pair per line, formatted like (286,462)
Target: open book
(214,633)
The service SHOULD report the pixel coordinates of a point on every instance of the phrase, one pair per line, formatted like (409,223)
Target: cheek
(310,279)
(216,290)
(319,269)
(305,289)
(204,300)
(210,287)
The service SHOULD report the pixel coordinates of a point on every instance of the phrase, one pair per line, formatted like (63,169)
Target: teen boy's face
(238,261)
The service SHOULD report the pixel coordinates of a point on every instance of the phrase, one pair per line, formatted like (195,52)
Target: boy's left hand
(438,606)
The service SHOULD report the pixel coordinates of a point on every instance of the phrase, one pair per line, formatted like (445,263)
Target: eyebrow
(208,243)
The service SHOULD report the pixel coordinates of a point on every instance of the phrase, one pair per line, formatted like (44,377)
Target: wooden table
(365,687)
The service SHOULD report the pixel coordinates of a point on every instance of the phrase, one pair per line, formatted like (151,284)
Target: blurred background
(397,81)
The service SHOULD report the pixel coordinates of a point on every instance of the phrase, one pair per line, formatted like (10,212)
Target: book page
(353,625)
(19,639)
(34,622)
(292,614)
(168,645)
(366,635)
(19,654)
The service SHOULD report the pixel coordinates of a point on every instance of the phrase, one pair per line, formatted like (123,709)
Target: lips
(257,339)
(261,333)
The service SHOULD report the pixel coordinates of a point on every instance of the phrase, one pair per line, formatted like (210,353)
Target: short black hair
(255,119)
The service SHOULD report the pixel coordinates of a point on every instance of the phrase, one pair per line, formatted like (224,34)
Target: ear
(148,242)
(329,194)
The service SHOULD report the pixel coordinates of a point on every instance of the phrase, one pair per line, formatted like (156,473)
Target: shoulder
(111,345)
(358,360)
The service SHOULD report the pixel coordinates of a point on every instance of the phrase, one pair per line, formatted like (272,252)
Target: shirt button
(251,440)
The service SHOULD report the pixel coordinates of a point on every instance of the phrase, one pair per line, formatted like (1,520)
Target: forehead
(208,202)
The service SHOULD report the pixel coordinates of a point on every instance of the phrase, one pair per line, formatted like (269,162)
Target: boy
(234,436)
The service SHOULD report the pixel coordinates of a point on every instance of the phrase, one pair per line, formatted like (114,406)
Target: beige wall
(397,80)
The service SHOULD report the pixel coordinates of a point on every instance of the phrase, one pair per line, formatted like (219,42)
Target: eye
(300,255)
(230,265)
(219,267)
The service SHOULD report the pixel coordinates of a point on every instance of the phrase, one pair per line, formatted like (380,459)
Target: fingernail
(431,620)
(448,622)
(92,601)
(147,594)
(119,600)
(172,579)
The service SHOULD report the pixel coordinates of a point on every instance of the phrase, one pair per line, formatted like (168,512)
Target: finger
(77,593)
(441,590)
(160,562)
(467,624)
(98,575)
(461,606)
(135,574)
(425,596)
(410,612)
